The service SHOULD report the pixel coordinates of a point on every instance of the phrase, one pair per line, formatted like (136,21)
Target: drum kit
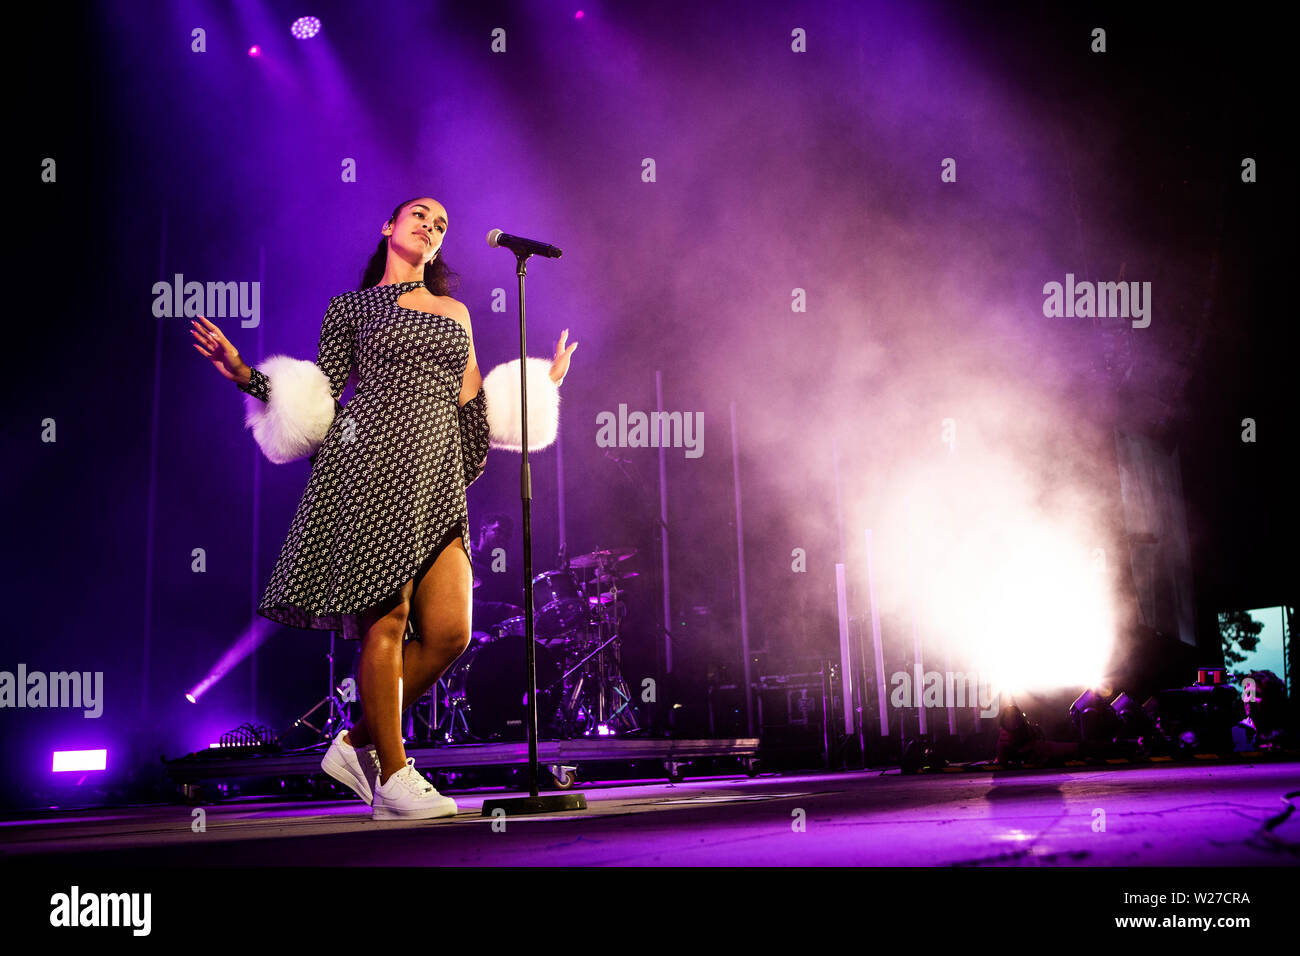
(581,692)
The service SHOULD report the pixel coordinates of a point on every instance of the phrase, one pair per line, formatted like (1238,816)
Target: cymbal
(595,559)
(604,577)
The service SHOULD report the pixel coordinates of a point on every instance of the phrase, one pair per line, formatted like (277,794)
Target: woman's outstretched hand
(560,367)
(216,348)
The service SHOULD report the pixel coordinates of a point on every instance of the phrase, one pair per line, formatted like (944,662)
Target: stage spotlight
(254,50)
(1094,719)
(304,28)
(1123,704)
(1131,716)
(244,645)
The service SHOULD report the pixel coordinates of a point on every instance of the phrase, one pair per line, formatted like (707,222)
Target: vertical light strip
(918,668)
(663,526)
(562,546)
(847,682)
(257,498)
(153,481)
(879,654)
(839,512)
(740,566)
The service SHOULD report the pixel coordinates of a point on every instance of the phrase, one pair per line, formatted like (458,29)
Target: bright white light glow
(1005,580)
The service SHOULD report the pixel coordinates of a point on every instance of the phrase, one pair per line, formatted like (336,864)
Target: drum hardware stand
(611,669)
(335,717)
(605,680)
(453,725)
(533,803)
(609,682)
(439,714)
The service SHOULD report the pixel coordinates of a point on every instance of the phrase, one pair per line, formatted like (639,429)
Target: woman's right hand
(216,348)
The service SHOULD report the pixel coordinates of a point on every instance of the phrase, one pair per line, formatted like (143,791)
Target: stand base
(549,803)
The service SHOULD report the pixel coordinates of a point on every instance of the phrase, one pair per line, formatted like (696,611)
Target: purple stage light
(244,645)
(254,50)
(304,28)
(578,16)
(66,761)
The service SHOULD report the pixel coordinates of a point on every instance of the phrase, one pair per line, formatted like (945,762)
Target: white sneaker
(408,796)
(354,767)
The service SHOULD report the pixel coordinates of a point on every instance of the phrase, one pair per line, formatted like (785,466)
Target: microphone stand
(533,803)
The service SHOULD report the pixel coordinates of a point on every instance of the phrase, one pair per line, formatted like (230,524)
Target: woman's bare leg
(440,611)
(359,735)
(443,597)
(379,679)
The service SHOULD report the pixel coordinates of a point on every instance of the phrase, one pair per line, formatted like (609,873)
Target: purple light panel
(66,761)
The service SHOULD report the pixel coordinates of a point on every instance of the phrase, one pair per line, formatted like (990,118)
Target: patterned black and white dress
(387,486)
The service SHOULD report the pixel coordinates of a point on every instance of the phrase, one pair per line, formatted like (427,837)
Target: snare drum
(511,627)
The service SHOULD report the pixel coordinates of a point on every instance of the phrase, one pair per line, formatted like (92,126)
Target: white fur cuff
(293,423)
(501,388)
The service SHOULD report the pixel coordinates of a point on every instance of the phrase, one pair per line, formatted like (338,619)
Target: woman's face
(419,229)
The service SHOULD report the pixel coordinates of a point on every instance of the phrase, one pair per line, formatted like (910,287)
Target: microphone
(520,246)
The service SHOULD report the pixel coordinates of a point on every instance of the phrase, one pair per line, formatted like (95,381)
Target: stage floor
(1179,815)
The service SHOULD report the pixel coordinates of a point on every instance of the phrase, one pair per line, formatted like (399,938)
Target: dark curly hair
(438,279)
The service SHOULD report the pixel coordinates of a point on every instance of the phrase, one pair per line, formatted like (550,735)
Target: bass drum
(487,687)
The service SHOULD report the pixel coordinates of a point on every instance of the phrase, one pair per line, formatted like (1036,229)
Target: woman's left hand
(560,367)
